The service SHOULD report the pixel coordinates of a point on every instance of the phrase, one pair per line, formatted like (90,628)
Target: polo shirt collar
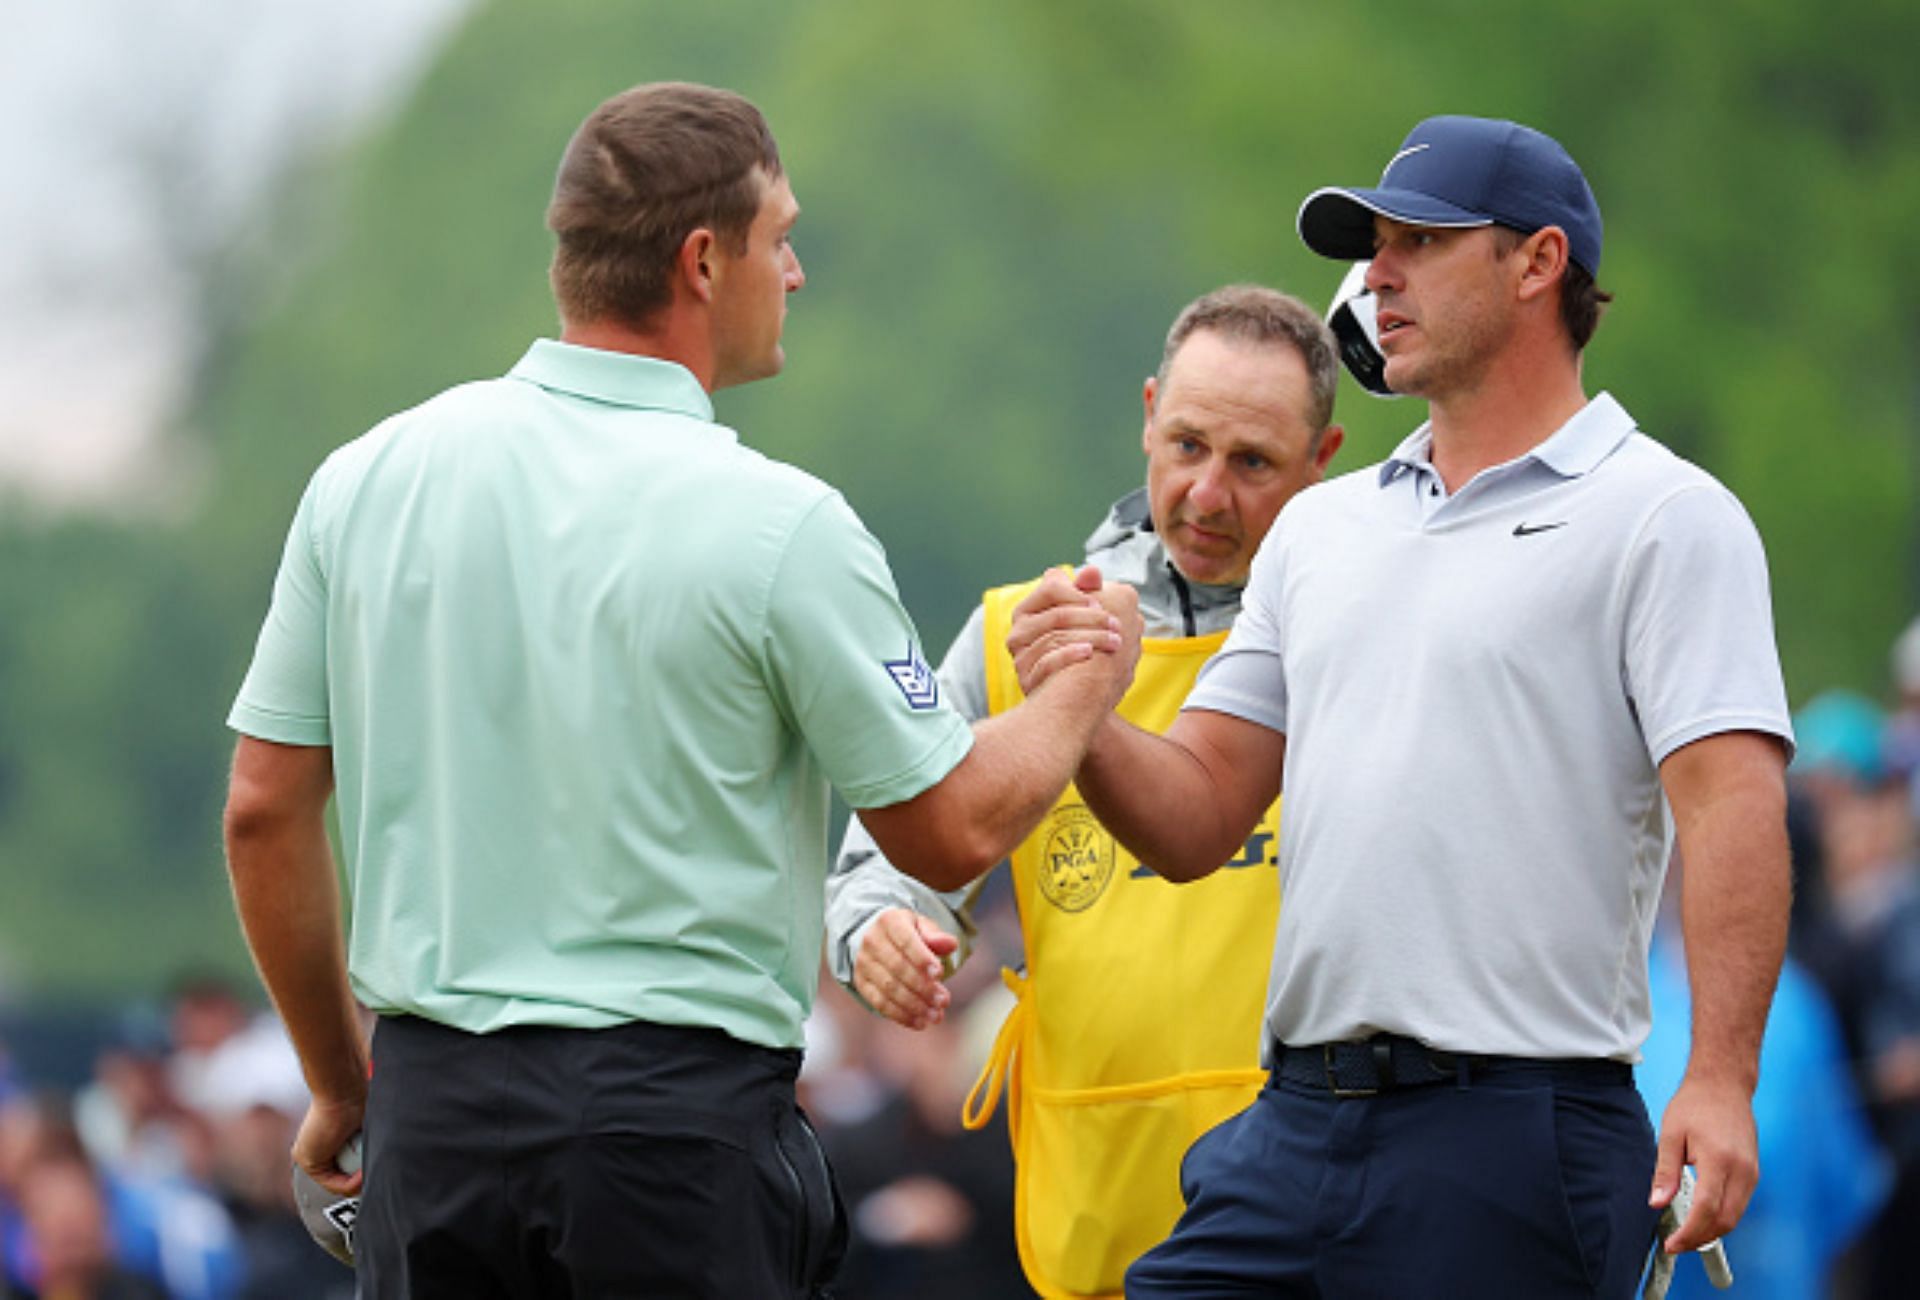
(616,378)
(1414,454)
(1575,448)
(1579,445)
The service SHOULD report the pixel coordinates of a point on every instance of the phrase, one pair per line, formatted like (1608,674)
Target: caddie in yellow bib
(1138,1021)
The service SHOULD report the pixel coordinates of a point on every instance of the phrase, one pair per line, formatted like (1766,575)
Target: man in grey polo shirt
(580,668)
(1501,673)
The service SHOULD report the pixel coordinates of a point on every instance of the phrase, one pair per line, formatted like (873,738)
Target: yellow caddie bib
(1138,1020)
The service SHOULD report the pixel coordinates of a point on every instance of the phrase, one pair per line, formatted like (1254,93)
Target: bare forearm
(1183,803)
(1734,904)
(1020,763)
(1159,798)
(1728,794)
(288,901)
(1736,894)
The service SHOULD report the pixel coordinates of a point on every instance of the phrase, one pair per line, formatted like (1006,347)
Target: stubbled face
(1229,441)
(751,288)
(1446,305)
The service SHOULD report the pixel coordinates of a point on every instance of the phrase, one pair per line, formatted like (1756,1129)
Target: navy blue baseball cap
(1462,171)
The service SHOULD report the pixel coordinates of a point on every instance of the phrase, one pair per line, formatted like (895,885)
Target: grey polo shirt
(1477,690)
(587,666)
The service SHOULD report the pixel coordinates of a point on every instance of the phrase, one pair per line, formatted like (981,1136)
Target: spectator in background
(931,1203)
(67,1220)
(69,1232)
(205,1015)
(19,1133)
(255,1112)
(1842,759)
(1902,746)
(1864,943)
(130,1120)
(838,1085)
(1825,1175)
(163,1223)
(196,1198)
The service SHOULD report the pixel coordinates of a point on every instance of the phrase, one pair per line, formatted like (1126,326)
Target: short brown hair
(1581,298)
(646,169)
(1253,313)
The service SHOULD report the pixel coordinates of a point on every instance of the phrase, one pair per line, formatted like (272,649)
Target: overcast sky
(134,135)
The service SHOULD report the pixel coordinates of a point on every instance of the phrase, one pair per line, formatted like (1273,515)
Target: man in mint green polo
(579,668)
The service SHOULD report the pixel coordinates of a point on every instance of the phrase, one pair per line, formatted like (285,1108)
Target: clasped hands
(1073,619)
(1070,624)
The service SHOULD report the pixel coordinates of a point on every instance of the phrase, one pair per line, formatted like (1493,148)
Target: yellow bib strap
(1002,1070)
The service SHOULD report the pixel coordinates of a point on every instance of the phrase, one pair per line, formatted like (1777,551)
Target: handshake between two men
(1070,622)
(1068,619)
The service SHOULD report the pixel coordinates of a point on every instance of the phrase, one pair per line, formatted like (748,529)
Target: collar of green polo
(616,378)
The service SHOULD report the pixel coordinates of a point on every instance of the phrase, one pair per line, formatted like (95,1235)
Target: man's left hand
(1708,1125)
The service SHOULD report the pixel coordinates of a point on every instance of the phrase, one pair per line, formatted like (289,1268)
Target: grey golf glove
(330,1218)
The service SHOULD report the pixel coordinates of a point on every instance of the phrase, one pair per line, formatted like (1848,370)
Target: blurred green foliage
(1005,205)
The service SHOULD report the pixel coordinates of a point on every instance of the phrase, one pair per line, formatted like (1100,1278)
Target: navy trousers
(1517,1185)
(569,1164)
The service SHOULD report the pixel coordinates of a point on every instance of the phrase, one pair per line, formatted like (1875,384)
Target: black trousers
(639,1161)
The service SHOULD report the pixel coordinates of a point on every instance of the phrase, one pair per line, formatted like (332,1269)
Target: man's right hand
(898,968)
(1067,619)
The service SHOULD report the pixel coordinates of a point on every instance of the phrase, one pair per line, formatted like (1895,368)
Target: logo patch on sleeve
(915,680)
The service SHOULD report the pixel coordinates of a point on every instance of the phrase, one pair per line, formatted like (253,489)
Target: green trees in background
(1004,205)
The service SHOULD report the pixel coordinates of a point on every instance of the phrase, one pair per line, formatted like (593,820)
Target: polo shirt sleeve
(1699,648)
(284,696)
(845,665)
(1246,677)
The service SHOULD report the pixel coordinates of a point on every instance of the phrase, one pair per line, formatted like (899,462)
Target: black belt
(1366,1067)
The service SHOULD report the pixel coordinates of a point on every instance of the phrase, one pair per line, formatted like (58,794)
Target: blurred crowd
(1837,1212)
(931,1202)
(165,1173)
(1855,945)
(165,1176)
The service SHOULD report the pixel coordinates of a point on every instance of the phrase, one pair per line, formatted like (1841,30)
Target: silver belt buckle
(1333,1081)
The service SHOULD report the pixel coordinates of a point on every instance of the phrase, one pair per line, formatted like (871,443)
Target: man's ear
(1330,439)
(1546,252)
(1148,393)
(694,265)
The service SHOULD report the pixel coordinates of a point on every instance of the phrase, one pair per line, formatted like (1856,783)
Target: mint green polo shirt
(588,667)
